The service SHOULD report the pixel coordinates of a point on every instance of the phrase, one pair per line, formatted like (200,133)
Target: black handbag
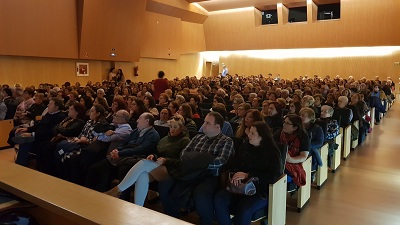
(244,188)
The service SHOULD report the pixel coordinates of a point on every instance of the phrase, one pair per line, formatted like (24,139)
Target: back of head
(161,74)
(220,108)
(124,114)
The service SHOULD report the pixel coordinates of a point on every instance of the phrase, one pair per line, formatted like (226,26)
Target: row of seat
(276,212)
(278,197)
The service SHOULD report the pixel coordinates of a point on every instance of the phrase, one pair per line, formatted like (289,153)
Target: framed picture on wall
(82,69)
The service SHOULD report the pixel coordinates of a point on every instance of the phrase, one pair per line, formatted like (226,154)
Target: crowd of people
(94,134)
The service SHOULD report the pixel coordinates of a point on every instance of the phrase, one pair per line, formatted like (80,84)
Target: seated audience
(69,128)
(21,112)
(316,136)
(331,132)
(156,166)
(295,137)
(258,157)
(214,147)
(142,142)
(30,138)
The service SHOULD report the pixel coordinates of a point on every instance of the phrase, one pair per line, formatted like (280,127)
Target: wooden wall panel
(362,23)
(178,12)
(186,65)
(192,38)
(382,66)
(162,36)
(108,25)
(182,4)
(44,28)
(33,71)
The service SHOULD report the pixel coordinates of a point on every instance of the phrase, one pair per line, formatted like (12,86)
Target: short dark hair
(8,91)
(218,118)
(150,117)
(29,91)
(220,108)
(161,74)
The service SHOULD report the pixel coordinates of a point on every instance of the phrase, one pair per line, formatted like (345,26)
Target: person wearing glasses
(241,113)
(122,128)
(156,166)
(296,138)
(165,114)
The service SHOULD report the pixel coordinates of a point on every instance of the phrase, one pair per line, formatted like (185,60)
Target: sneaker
(376,123)
(369,130)
(291,187)
(313,176)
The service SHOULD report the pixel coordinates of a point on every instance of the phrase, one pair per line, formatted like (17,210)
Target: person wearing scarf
(295,137)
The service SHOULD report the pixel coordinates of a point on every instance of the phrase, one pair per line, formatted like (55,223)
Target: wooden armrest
(73,202)
(346,141)
(5,127)
(304,193)
(277,201)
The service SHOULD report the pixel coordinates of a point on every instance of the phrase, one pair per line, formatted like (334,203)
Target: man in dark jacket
(142,141)
(31,137)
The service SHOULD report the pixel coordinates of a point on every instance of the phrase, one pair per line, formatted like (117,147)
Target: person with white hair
(345,114)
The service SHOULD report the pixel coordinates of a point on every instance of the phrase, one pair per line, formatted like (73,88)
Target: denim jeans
(241,206)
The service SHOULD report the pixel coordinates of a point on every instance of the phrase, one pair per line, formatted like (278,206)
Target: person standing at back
(160,85)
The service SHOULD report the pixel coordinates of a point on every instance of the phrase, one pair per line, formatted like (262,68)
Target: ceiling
(216,5)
